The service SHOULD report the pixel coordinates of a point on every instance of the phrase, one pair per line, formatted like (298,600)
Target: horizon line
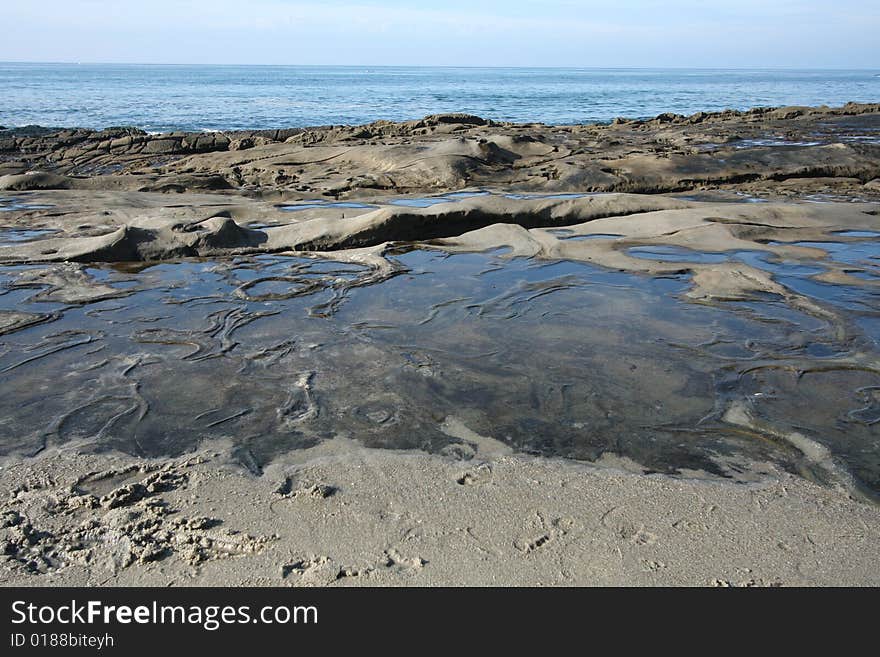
(454,66)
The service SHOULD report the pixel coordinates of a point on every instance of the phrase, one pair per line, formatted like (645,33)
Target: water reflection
(553,358)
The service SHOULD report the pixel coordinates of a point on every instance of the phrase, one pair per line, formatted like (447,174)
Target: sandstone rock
(33,181)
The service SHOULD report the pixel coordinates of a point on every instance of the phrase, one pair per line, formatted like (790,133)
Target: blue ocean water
(160,98)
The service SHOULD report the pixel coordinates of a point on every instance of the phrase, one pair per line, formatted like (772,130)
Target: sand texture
(380,518)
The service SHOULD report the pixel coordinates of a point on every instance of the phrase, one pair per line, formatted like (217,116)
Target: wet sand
(500,366)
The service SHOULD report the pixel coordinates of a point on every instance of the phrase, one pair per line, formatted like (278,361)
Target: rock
(242,144)
(34,181)
(462,119)
(163,146)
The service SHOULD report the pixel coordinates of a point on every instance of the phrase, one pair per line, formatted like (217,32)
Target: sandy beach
(444,352)
(373,518)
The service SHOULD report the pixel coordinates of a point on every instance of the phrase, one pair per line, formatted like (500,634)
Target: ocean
(163,98)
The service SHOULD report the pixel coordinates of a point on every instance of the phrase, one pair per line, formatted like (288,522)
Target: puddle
(592,236)
(428,201)
(861,260)
(864,275)
(720,197)
(552,358)
(859,139)
(526,197)
(18,205)
(425,202)
(675,254)
(415,202)
(852,253)
(856,233)
(421,201)
(833,198)
(112,277)
(772,143)
(568,235)
(865,254)
(312,205)
(842,296)
(461,195)
(13,236)
(776,265)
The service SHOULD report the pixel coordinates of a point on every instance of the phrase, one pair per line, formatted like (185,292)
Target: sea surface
(162,98)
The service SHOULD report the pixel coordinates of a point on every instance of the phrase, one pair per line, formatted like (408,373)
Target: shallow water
(759,259)
(864,252)
(11,236)
(772,143)
(857,233)
(428,201)
(715,197)
(674,254)
(312,205)
(592,236)
(552,358)
(421,201)
(424,202)
(19,204)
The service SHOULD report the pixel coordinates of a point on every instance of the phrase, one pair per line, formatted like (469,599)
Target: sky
(571,33)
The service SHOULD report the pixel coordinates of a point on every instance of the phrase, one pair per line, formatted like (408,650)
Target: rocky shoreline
(765,221)
(777,151)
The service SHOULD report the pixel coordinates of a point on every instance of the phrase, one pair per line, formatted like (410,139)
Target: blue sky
(625,33)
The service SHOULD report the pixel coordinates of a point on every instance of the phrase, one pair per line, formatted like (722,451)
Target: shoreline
(757,112)
(776,152)
(849,108)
